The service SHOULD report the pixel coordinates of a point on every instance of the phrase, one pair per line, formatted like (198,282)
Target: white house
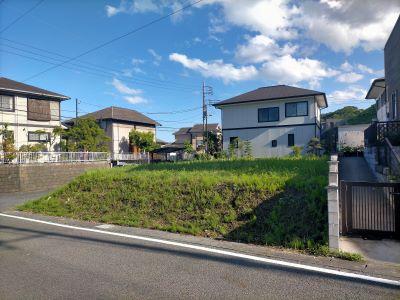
(377,92)
(30,112)
(117,122)
(272,119)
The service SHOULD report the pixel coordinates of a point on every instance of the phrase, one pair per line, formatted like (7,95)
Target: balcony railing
(375,134)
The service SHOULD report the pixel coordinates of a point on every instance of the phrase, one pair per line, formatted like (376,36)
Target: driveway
(10,200)
(46,261)
(355,169)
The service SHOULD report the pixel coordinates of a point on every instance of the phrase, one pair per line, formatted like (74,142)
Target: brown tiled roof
(22,88)
(199,127)
(271,93)
(121,114)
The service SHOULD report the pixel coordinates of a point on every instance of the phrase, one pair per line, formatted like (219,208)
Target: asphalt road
(42,261)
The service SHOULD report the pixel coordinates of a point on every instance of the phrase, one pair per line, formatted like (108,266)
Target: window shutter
(38,110)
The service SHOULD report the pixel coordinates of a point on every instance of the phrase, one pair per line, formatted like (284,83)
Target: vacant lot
(264,201)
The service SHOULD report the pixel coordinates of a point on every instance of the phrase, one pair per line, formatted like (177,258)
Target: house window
(394,104)
(296,109)
(290,142)
(234,140)
(269,114)
(38,136)
(274,143)
(6,103)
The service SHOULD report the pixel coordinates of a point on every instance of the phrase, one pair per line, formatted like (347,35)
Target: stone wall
(41,177)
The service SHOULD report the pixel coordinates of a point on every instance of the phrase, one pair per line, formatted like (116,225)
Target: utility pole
(206,90)
(76,110)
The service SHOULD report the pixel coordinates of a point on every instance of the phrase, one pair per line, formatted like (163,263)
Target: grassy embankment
(279,202)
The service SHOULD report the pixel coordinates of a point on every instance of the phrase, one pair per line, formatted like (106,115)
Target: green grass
(280,202)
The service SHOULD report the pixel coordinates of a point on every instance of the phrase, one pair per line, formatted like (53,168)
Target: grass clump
(277,201)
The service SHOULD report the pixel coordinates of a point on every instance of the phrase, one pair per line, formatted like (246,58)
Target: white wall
(351,135)
(119,133)
(261,139)
(20,125)
(240,117)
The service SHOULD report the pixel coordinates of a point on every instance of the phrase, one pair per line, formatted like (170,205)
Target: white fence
(70,157)
(52,157)
(131,156)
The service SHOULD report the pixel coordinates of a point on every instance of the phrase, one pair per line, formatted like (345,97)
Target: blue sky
(233,45)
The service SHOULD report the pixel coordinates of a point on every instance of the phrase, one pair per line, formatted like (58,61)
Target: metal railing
(375,134)
(130,156)
(52,157)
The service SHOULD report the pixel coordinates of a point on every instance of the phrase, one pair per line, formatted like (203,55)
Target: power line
(101,74)
(114,39)
(91,66)
(21,16)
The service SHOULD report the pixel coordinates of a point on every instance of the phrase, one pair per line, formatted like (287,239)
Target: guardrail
(51,157)
(130,156)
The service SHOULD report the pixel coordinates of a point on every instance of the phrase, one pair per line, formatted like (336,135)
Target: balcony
(375,134)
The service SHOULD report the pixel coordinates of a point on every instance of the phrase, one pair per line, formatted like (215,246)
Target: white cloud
(290,70)
(135,99)
(345,25)
(112,10)
(261,48)
(341,25)
(349,77)
(156,56)
(368,70)
(348,95)
(346,66)
(216,68)
(137,61)
(130,94)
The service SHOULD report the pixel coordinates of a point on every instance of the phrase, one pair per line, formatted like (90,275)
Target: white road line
(222,252)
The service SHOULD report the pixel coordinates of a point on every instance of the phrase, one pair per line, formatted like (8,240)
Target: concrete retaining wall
(41,177)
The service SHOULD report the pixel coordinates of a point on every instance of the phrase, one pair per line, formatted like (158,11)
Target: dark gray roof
(121,114)
(13,86)
(182,130)
(271,93)
(199,128)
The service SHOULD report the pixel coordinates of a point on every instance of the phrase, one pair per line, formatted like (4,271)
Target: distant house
(117,122)
(330,123)
(194,134)
(272,119)
(31,112)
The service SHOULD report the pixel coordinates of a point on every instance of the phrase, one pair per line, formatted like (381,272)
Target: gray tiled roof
(122,114)
(13,86)
(270,93)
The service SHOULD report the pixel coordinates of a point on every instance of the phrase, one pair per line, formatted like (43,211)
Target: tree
(214,143)
(143,140)
(314,146)
(247,149)
(86,135)
(7,143)
(188,147)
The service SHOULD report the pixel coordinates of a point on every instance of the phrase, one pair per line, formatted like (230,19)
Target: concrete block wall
(42,177)
(333,203)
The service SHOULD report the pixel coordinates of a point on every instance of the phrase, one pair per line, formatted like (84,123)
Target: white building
(117,122)
(377,92)
(272,119)
(30,112)
(351,136)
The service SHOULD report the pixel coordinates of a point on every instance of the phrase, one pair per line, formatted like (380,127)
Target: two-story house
(30,112)
(272,119)
(195,134)
(117,122)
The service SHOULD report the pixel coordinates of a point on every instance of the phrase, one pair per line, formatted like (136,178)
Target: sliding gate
(370,209)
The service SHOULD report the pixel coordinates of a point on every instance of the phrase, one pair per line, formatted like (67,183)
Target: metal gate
(369,208)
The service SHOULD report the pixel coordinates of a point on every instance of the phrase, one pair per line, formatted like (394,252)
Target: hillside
(353,115)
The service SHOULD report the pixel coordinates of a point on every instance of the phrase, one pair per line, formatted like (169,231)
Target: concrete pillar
(333,203)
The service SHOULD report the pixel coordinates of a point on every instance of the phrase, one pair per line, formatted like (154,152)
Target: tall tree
(142,140)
